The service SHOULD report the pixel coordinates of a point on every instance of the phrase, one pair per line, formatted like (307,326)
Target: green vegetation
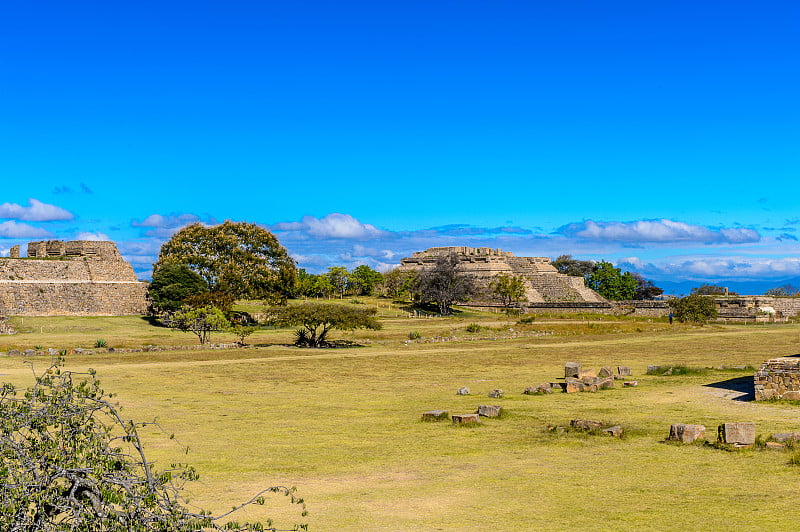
(508,289)
(236,258)
(71,462)
(318,319)
(172,284)
(344,425)
(611,282)
(694,308)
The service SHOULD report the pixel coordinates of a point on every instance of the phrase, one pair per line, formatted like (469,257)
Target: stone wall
(757,308)
(778,378)
(70,278)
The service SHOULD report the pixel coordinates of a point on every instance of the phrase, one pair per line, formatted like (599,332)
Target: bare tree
(445,283)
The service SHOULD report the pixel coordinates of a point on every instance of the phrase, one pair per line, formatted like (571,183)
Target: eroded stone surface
(466,418)
(489,410)
(685,433)
(737,433)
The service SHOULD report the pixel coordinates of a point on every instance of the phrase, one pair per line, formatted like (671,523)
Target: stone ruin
(778,378)
(543,283)
(77,278)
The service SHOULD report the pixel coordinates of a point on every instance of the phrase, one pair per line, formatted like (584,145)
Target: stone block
(631,384)
(686,433)
(624,371)
(462,419)
(572,369)
(775,445)
(496,393)
(574,386)
(587,374)
(605,372)
(489,410)
(605,384)
(793,395)
(463,391)
(435,415)
(585,424)
(615,431)
(737,433)
(14,352)
(786,436)
(653,369)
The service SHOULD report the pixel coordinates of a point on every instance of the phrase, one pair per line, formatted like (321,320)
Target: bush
(694,308)
(473,328)
(100,342)
(414,335)
(71,462)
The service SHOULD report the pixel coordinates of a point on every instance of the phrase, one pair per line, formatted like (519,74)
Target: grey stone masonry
(79,278)
(778,378)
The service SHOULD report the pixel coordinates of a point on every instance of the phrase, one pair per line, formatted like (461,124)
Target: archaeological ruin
(778,378)
(77,278)
(543,283)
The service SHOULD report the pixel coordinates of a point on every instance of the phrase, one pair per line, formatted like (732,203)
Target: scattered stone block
(737,433)
(589,387)
(496,394)
(775,445)
(489,410)
(624,371)
(585,424)
(605,372)
(792,395)
(435,415)
(587,373)
(574,386)
(615,431)
(463,391)
(632,384)
(653,369)
(786,436)
(52,352)
(572,369)
(462,419)
(28,353)
(542,388)
(686,433)
(14,352)
(605,384)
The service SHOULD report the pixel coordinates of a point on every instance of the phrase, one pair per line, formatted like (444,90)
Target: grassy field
(343,425)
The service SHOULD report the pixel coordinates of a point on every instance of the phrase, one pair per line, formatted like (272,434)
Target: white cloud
(96,236)
(169,221)
(36,211)
(657,231)
(12,229)
(334,225)
(716,267)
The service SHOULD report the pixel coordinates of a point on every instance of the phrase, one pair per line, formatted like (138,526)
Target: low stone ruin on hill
(543,283)
(78,278)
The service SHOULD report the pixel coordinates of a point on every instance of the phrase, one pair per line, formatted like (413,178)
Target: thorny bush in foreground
(69,462)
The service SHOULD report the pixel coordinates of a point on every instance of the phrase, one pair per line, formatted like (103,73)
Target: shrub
(473,328)
(414,335)
(100,342)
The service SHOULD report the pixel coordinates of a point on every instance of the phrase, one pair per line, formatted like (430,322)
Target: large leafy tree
(339,278)
(317,319)
(444,283)
(364,279)
(694,308)
(237,258)
(611,282)
(569,266)
(70,462)
(172,284)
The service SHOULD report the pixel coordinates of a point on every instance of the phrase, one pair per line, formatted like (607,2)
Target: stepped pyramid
(543,283)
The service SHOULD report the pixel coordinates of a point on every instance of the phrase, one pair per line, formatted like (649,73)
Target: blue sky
(660,136)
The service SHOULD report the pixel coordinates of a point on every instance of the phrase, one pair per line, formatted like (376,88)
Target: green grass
(343,425)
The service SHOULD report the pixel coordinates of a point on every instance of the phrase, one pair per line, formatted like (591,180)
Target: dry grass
(344,425)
